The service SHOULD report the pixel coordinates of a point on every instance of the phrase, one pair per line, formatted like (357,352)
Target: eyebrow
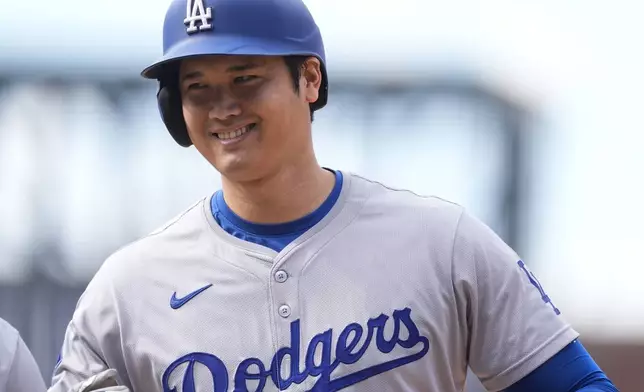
(242,67)
(234,68)
(191,75)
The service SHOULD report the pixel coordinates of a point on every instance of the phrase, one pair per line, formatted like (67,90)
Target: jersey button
(281,276)
(285,311)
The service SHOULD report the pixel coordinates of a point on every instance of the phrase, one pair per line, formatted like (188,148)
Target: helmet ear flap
(169,102)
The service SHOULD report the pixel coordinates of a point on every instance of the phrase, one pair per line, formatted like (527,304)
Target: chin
(238,170)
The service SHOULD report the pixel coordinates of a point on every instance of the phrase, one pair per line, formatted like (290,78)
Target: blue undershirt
(571,370)
(274,236)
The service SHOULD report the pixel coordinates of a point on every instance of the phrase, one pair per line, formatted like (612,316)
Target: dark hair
(295,65)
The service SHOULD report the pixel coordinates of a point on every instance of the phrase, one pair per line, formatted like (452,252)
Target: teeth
(233,134)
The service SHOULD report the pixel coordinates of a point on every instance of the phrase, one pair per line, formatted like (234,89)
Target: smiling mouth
(236,133)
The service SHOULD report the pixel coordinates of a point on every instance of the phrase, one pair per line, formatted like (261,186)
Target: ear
(311,79)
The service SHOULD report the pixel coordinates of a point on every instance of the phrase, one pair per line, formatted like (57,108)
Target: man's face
(243,113)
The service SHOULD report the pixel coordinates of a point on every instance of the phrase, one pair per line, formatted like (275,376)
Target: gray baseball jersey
(19,371)
(390,291)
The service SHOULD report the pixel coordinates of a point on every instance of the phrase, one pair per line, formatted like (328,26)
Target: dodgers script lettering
(346,352)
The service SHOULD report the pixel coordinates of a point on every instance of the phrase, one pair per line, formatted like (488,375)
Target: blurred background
(526,112)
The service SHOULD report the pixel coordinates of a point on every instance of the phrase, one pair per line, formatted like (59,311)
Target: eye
(244,79)
(196,86)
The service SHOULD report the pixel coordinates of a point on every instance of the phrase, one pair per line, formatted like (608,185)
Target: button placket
(284,292)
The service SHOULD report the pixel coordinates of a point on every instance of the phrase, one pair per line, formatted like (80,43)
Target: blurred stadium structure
(451,106)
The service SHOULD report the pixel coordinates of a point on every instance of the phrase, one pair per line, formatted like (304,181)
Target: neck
(289,194)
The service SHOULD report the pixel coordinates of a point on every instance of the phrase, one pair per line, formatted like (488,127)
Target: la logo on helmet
(197,12)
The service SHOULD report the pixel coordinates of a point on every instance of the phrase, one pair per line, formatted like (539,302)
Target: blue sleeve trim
(570,370)
(600,386)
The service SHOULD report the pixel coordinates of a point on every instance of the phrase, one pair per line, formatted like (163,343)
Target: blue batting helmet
(230,27)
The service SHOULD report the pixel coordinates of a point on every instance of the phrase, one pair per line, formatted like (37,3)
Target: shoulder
(405,205)
(182,230)
(428,219)
(9,338)
(136,260)
(18,368)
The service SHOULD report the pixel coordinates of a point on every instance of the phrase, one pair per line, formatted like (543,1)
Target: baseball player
(297,277)
(19,371)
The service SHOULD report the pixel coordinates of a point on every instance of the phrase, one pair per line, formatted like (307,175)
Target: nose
(225,106)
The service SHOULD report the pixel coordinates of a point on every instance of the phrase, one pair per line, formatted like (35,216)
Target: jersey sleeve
(25,374)
(91,337)
(18,368)
(513,326)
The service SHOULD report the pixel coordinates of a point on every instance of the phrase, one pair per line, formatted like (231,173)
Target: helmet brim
(205,45)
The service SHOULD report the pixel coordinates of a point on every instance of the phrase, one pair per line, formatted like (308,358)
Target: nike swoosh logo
(176,303)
